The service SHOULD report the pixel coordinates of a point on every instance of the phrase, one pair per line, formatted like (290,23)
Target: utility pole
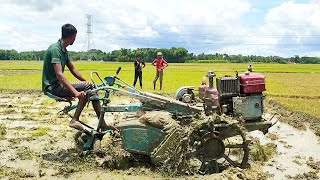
(89,38)
(89,31)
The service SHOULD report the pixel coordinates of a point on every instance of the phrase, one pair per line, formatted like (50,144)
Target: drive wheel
(236,147)
(210,149)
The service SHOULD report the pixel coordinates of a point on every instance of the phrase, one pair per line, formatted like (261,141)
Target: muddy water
(294,147)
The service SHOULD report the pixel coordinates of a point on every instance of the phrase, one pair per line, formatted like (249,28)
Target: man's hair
(138,55)
(68,30)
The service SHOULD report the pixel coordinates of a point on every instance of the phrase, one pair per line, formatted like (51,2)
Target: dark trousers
(61,91)
(137,74)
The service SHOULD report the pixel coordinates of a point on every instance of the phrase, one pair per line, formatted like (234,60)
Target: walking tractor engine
(231,110)
(242,95)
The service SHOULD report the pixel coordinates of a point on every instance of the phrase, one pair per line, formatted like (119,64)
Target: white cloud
(148,32)
(123,19)
(174,29)
(40,5)
(200,26)
(4,28)
(294,26)
(289,29)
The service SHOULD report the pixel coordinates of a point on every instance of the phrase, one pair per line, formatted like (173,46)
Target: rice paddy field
(36,142)
(295,86)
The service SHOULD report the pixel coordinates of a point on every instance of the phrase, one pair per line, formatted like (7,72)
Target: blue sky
(274,27)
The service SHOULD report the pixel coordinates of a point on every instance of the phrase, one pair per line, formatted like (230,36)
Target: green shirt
(56,54)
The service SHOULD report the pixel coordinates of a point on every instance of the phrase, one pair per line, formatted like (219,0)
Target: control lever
(116,76)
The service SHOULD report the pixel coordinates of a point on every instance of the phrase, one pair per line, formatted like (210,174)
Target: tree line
(172,55)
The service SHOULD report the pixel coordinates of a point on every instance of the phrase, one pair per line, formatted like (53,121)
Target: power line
(218,26)
(89,45)
(223,35)
(90,22)
(199,43)
(193,43)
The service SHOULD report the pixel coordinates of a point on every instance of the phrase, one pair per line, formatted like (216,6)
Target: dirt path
(36,143)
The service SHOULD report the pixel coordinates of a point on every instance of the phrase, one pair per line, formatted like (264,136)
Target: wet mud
(36,142)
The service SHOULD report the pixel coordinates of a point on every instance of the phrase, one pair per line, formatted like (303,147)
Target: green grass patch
(44,112)
(9,111)
(41,131)
(19,128)
(48,102)
(305,105)
(25,101)
(10,173)
(24,118)
(3,132)
(2,129)
(25,153)
(208,61)
(263,152)
(62,133)
(27,118)
(30,118)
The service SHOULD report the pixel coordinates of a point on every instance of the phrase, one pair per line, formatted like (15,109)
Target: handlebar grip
(118,70)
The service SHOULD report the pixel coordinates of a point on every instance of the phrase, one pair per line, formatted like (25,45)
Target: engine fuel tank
(252,83)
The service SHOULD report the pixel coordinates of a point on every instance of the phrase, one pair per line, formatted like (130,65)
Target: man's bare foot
(76,125)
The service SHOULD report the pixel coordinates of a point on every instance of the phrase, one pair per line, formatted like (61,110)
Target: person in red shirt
(160,64)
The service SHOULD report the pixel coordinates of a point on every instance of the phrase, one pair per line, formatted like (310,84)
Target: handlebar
(96,73)
(117,73)
(109,81)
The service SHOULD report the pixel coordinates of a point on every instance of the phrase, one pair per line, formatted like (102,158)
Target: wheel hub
(186,98)
(212,148)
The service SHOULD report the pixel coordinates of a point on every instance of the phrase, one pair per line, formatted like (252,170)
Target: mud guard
(140,138)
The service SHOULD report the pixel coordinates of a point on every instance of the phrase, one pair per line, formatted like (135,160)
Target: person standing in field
(250,68)
(55,82)
(138,65)
(160,64)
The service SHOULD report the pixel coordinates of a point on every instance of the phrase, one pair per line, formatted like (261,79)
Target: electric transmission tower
(89,38)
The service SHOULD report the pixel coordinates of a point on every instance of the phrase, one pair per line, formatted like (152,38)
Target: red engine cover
(252,83)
